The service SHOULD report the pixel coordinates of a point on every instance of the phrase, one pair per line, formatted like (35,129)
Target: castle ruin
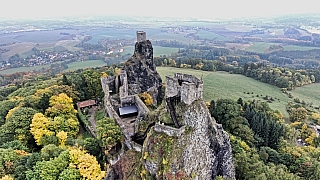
(141,36)
(185,87)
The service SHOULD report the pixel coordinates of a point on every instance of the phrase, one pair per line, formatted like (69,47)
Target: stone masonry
(188,87)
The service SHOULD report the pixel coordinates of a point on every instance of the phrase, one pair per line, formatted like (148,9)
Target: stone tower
(141,36)
(141,71)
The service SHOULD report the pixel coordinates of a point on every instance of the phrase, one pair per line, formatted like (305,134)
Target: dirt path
(93,125)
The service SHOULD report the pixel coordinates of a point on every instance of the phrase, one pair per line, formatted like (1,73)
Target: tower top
(141,36)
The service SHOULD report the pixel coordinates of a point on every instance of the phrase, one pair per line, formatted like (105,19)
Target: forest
(42,134)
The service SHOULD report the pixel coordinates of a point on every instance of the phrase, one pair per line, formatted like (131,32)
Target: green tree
(299,114)
(108,132)
(18,124)
(225,110)
(5,106)
(70,174)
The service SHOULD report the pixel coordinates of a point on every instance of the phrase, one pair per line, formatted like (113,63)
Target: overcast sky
(166,8)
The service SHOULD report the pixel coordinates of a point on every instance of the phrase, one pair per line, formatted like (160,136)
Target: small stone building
(187,88)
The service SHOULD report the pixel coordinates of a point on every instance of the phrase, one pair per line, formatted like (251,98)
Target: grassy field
(308,93)
(224,85)
(239,27)
(211,35)
(85,64)
(301,48)
(259,47)
(171,36)
(23,69)
(157,50)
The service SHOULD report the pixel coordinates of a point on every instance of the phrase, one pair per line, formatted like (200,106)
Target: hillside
(218,85)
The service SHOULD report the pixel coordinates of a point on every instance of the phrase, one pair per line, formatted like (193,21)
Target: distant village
(105,50)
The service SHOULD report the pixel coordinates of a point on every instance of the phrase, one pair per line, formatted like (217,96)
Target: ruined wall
(123,90)
(188,87)
(141,36)
(142,108)
(110,81)
(170,131)
(134,100)
(172,87)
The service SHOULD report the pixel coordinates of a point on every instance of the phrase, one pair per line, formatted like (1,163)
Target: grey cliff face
(208,153)
(141,71)
(204,152)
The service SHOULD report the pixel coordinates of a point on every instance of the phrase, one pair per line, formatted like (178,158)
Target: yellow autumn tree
(10,112)
(62,138)
(310,140)
(87,164)
(208,104)
(74,154)
(89,168)
(6,177)
(39,127)
(104,74)
(146,97)
(61,105)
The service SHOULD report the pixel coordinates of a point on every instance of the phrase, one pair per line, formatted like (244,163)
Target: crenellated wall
(141,36)
(188,87)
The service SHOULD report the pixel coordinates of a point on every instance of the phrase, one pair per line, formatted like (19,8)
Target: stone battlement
(141,36)
(188,87)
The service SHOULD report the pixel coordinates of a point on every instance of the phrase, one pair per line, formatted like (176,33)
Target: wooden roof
(86,103)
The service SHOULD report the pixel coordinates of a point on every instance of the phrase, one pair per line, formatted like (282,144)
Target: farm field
(211,35)
(301,48)
(24,69)
(224,85)
(260,47)
(170,36)
(309,93)
(85,64)
(157,50)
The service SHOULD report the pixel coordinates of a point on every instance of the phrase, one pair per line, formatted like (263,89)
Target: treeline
(263,146)
(281,77)
(260,70)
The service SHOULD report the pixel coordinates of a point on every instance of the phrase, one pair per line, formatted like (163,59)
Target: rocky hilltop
(177,140)
(202,151)
(141,71)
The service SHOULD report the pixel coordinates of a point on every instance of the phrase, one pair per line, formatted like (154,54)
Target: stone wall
(141,36)
(123,90)
(113,160)
(170,131)
(172,87)
(142,108)
(127,101)
(134,100)
(109,81)
(188,87)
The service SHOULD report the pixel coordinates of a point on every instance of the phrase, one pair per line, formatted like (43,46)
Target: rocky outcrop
(203,151)
(141,72)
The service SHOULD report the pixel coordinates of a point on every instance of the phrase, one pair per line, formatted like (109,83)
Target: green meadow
(24,69)
(260,47)
(85,64)
(218,85)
